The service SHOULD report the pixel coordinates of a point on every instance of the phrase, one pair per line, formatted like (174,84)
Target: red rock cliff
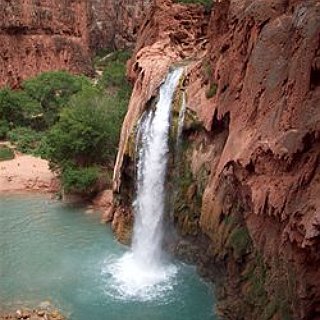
(39,36)
(264,58)
(253,196)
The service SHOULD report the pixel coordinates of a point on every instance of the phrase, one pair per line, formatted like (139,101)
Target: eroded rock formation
(39,36)
(250,176)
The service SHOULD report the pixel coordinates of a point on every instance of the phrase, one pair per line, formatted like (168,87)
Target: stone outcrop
(249,182)
(39,36)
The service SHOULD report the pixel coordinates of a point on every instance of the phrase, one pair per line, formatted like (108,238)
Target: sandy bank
(27,173)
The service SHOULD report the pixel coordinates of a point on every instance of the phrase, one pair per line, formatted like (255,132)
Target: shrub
(4,129)
(114,74)
(52,90)
(26,139)
(105,58)
(212,91)
(6,153)
(16,107)
(206,3)
(240,241)
(80,180)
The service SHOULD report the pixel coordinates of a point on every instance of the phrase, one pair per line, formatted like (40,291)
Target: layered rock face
(249,176)
(39,36)
(115,23)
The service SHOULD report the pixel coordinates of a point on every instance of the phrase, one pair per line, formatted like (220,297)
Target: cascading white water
(152,165)
(142,273)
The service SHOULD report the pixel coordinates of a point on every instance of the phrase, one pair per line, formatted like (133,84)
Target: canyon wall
(39,36)
(115,23)
(247,200)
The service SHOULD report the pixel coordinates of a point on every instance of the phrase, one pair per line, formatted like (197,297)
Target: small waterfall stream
(143,272)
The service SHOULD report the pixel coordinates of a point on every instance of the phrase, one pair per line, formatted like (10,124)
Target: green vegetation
(87,131)
(4,129)
(240,241)
(80,180)
(207,3)
(208,76)
(6,153)
(52,91)
(26,139)
(70,121)
(212,91)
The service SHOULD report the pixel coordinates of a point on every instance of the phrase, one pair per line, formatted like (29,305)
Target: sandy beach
(27,173)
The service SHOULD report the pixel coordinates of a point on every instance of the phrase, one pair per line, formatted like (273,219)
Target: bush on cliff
(206,3)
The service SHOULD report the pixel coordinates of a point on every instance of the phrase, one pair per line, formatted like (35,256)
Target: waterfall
(144,273)
(152,164)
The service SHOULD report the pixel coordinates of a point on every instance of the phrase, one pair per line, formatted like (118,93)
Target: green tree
(52,90)
(16,107)
(80,180)
(87,132)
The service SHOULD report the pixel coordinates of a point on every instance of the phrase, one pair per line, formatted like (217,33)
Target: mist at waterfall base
(55,252)
(145,273)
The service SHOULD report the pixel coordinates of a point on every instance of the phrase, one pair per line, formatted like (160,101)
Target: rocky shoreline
(45,311)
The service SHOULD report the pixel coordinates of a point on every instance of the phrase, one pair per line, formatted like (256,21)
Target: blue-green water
(56,252)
